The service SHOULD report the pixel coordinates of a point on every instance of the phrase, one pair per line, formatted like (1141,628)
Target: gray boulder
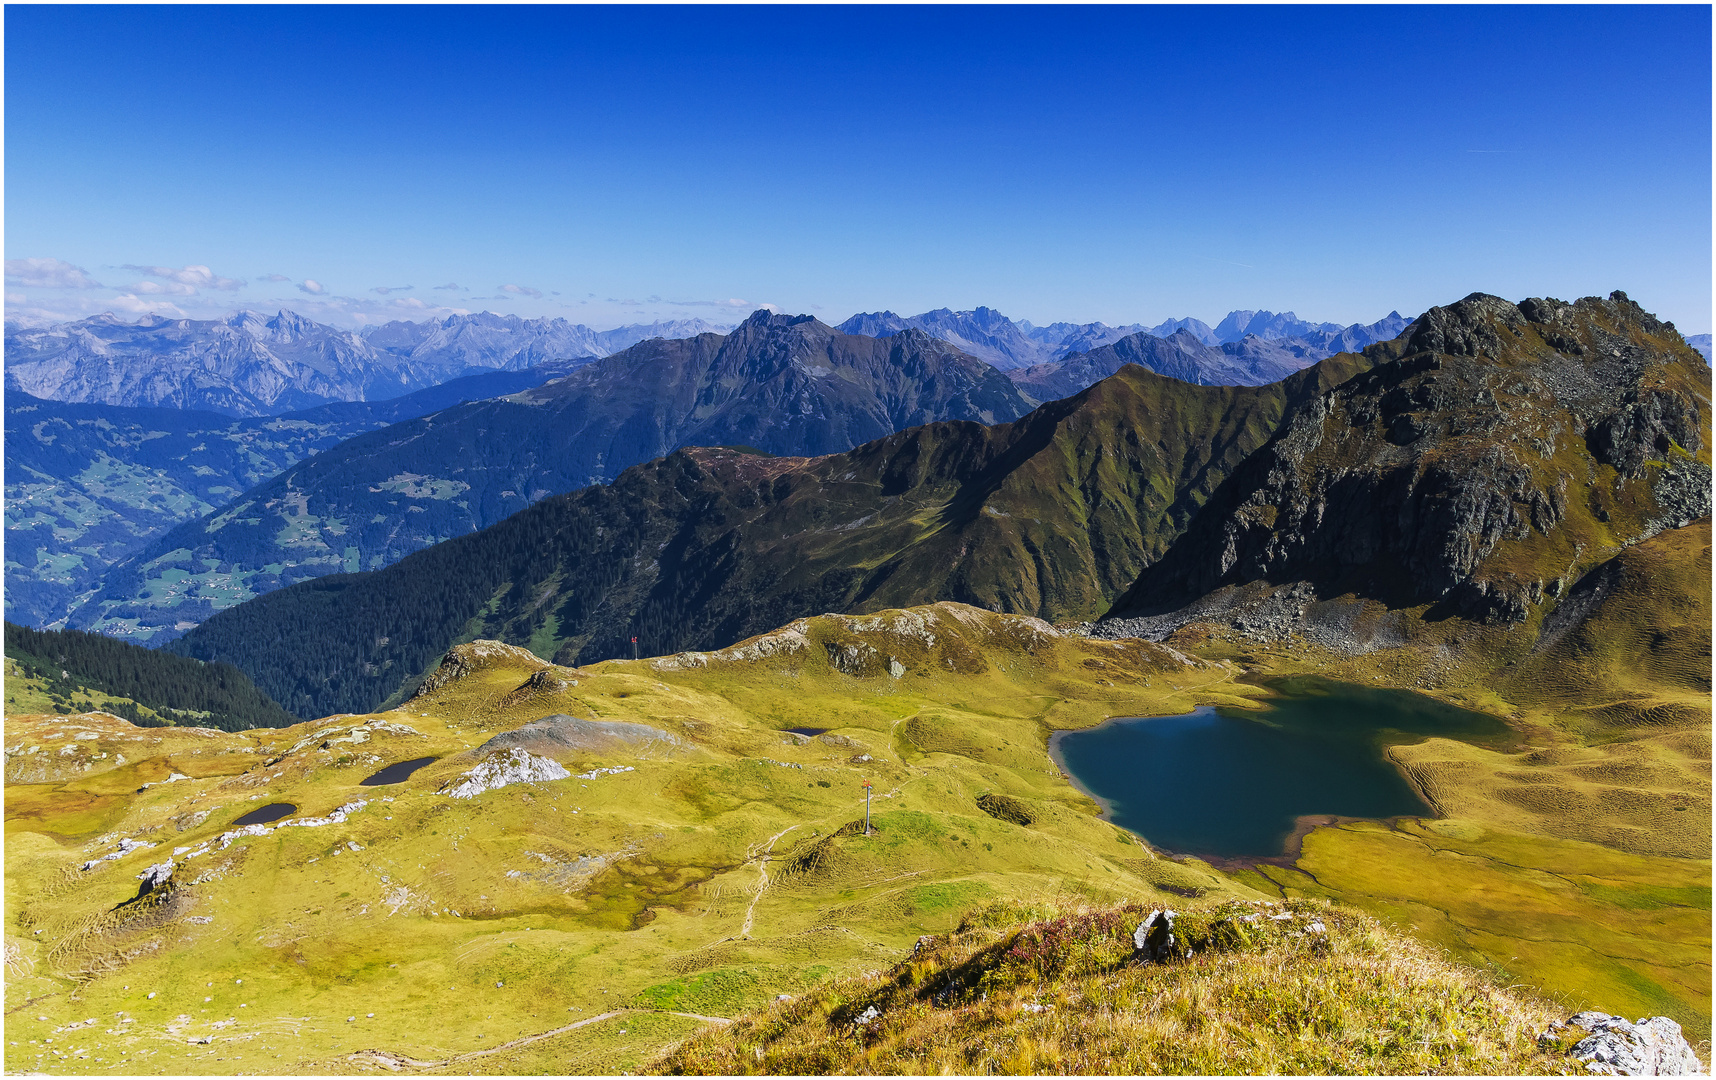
(1153,941)
(559,734)
(1648,1047)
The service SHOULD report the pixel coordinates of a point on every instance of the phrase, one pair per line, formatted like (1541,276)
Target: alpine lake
(1234,785)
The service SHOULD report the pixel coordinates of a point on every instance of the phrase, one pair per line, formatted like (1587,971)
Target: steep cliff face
(1504,453)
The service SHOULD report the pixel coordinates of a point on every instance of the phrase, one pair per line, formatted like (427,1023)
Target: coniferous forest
(78,667)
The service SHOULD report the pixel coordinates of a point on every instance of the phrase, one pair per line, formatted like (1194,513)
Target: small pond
(396,772)
(811,731)
(263,814)
(1232,783)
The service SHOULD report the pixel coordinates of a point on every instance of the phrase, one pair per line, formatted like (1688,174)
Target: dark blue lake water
(396,773)
(1232,783)
(263,815)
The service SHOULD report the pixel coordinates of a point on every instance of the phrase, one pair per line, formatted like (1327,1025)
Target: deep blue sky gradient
(1115,163)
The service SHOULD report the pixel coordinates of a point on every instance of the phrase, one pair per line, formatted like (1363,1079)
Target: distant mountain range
(94,544)
(252,365)
(487,340)
(1442,486)
(782,384)
(255,365)
(1249,362)
(88,484)
(1051,515)
(1700,342)
(989,335)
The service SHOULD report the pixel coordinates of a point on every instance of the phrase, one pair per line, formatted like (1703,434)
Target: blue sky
(615,165)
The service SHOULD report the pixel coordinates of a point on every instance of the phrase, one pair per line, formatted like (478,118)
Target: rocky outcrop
(1653,1046)
(559,734)
(474,656)
(1153,942)
(153,877)
(510,766)
(1451,474)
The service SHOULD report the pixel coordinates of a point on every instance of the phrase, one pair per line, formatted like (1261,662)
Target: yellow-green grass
(670,920)
(420,920)
(1055,988)
(1593,927)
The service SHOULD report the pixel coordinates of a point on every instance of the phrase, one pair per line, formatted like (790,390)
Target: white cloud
(522,290)
(196,276)
(385,289)
(275,277)
(453,285)
(171,288)
(352,311)
(127,302)
(48,274)
(734,303)
(311,286)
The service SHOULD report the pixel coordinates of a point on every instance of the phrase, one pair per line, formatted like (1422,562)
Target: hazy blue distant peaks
(1077,339)
(1268,325)
(1701,342)
(873,324)
(624,337)
(250,364)
(1355,337)
(983,332)
(1013,345)
(1197,327)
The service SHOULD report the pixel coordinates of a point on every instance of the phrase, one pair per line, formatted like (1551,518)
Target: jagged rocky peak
(1474,325)
(763,318)
(1466,468)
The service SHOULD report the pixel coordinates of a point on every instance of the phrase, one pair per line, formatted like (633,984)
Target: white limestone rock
(509,766)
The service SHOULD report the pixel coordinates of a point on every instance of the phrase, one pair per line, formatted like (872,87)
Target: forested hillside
(170,689)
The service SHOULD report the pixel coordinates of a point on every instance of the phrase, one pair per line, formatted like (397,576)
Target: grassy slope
(1053,989)
(660,928)
(679,848)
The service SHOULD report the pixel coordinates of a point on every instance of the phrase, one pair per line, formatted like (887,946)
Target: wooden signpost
(867,808)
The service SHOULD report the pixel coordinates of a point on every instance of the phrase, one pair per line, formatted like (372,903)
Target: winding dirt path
(762,879)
